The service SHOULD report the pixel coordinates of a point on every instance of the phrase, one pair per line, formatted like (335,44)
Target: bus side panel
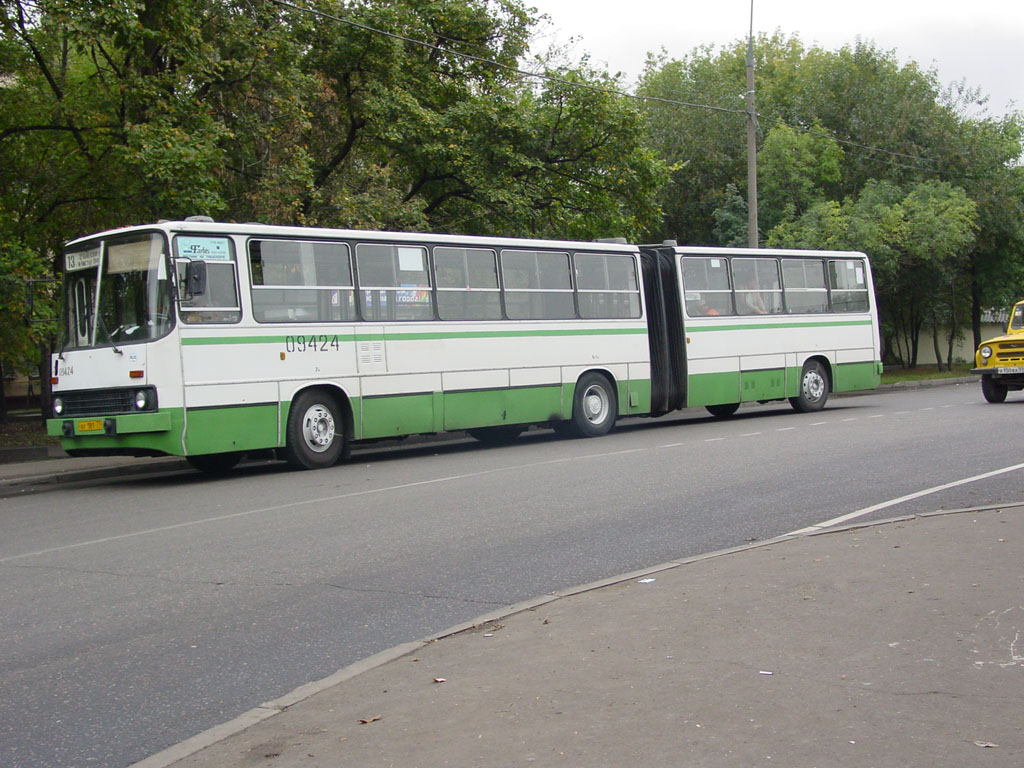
(857,375)
(475,398)
(532,404)
(396,415)
(712,388)
(768,384)
(227,417)
(225,430)
(635,394)
(399,405)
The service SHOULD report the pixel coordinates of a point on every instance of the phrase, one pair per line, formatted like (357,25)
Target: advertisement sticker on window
(210,248)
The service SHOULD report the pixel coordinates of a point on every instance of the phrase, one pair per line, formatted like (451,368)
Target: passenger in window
(703,308)
(752,299)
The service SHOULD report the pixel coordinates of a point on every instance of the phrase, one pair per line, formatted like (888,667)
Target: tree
(27,307)
(883,115)
(796,169)
(983,156)
(403,115)
(919,242)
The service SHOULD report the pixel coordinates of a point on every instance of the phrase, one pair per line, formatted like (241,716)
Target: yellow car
(1000,361)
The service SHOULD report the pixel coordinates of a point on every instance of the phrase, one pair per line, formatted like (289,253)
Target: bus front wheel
(994,391)
(594,407)
(813,388)
(315,432)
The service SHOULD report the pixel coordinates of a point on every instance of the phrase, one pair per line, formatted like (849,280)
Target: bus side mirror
(195,278)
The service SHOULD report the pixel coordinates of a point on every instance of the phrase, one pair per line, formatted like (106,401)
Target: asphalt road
(139,612)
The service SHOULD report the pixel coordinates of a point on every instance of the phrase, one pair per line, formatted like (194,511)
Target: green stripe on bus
(413,336)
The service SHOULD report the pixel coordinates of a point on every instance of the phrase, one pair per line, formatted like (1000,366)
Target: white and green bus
(210,340)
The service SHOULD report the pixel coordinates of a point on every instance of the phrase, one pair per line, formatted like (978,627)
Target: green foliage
(919,240)
(795,170)
(26,306)
(731,219)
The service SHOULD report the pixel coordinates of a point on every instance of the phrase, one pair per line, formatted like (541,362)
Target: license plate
(1011,369)
(90,426)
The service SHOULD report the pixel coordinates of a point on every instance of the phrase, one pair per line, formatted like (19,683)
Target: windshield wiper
(103,326)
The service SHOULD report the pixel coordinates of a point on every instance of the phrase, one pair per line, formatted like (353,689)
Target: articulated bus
(211,341)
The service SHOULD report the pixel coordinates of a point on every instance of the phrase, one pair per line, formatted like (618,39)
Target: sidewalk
(895,644)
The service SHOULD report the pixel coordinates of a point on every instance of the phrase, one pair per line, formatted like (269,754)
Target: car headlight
(985,352)
(58,406)
(141,400)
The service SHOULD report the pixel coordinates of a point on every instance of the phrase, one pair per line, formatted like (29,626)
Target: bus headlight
(58,406)
(985,352)
(142,400)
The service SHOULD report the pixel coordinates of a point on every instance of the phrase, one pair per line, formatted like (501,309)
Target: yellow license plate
(90,426)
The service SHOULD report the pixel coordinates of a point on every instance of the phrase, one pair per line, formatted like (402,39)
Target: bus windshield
(116,292)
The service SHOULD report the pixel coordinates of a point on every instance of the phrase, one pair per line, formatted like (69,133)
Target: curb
(31,453)
(50,479)
(926,383)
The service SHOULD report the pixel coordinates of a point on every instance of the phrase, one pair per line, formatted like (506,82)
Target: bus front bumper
(109,426)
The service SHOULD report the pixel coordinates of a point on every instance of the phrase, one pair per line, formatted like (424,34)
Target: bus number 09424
(321,343)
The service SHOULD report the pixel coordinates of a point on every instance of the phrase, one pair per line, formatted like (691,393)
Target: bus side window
(219,302)
(295,281)
(758,289)
(467,284)
(804,284)
(538,285)
(607,285)
(707,291)
(394,282)
(848,284)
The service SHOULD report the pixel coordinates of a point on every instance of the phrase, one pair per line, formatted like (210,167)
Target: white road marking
(909,497)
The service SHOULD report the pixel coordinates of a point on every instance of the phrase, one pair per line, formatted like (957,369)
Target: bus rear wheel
(594,407)
(813,388)
(315,434)
(994,391)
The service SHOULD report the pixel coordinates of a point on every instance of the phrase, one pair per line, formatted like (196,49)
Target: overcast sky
(981,41)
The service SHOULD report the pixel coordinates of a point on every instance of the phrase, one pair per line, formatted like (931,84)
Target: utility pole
(751,140)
